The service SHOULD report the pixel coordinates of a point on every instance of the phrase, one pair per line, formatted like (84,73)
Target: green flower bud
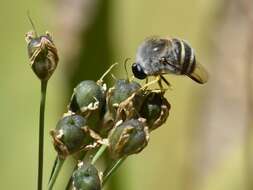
(128,137)
(69,135)
(155,109)
(88,95)
(88,99)
(122,90)
(86,177)
(42,54)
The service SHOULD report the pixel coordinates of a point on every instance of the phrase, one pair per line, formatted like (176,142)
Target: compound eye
(138,71)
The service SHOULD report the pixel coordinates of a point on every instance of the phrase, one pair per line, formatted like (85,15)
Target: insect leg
(166,82)
(150,83)
(160,83)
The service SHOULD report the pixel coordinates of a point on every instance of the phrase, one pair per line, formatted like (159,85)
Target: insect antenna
(31,22)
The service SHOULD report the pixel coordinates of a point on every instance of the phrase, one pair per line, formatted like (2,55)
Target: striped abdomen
(186,62)
(185,56)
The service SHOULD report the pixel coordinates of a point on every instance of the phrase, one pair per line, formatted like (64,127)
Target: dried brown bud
(42,54)
(128,137)
(122,90)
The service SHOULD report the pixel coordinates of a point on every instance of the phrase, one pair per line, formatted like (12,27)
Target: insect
(157,56)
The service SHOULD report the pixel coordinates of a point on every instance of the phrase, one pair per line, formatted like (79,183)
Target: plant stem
(112,169)
(53,169)
(68,187)
(55,174)
(41,133)
(98,153)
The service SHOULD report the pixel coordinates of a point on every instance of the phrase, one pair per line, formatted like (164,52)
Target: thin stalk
(55,174)
(109,171)
(98,153)
(41,134)
(53,169)
(70,181)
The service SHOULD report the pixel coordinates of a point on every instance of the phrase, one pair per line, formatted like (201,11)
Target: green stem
(53,169)
(55,174)
(41,133)
(98,154)
(70,181)
(112,169)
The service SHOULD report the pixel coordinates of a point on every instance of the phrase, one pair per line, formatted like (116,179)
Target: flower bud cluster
(125,114)
(120,117)
(136,112)
(79,128)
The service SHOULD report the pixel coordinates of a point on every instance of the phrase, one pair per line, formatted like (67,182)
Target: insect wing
(199,74)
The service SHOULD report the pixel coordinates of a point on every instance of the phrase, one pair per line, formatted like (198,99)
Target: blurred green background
(90,36)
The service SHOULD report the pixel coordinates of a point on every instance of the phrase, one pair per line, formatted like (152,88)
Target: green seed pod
(128,137)
(122,90)
(88,100)
(42,54)
(86,178)
(155,109)
(69,135)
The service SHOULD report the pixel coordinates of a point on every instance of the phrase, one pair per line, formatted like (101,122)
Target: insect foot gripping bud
(42,54)
(155,109)
(128,138)
(86,177)
(88,100)
(69,135)
(120,92)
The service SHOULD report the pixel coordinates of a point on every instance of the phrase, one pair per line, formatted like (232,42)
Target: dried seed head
(42,54)
(123,102)
(86,177)
(128,138)
(122,90)
(129,108)
(155,109)
(69,135)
